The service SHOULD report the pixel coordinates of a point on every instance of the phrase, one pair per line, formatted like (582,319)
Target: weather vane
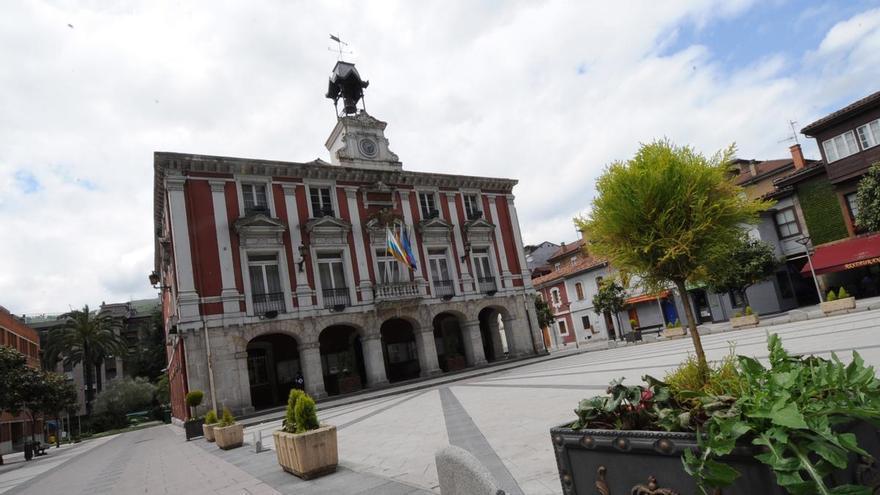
(340,47)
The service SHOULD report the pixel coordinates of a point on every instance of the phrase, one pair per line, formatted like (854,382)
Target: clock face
(368,147)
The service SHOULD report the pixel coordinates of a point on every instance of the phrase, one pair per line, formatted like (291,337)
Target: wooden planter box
(193,428)
(673,332)
(307,455)
(208,430)
(349,384)
(229,437)
(838,305)
(455,363)
(645,462)
(744,321)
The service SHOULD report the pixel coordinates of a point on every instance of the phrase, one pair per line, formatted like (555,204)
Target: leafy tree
(163,390)
(868,200)
(745,263)
(12,366)
(58,394)
(122,397)
(542,311)
(150,357)
(610,299)
(87,339)
(665,214)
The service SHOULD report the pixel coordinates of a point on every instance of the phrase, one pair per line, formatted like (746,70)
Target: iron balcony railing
(272,301)
(396,290)
(335,298)
(487,285)
(443,288)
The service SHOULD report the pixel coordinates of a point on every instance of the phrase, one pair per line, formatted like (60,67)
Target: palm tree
(87,339)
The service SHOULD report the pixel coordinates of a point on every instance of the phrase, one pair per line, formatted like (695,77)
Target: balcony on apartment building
(488,285)
(443,289)
(337,298)
(396,291)
(273,301)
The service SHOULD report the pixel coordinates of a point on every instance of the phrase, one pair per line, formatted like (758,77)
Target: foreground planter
(208,430)
(744,321)
(229,437)
(838,305)
(193,428)
(307,455)
(615,462)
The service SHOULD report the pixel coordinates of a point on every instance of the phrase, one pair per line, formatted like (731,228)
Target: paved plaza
(387,443)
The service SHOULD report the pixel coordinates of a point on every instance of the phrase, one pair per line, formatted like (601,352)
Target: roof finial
(339,47)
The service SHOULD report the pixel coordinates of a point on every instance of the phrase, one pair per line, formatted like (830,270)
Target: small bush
(306,415)
(842,294)
(749,311)
(737,314)
(211,417)
(194,398)
(289,423)
(724,378)
(831,296)
(228,419)
(633,324)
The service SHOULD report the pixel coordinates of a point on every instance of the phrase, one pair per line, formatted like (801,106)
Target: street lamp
(805,241)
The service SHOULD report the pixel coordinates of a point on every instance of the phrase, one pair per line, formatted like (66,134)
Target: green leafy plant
(842,293)
(306,414)
(633,324)
(831,296)
(211,417)
(193,400)
(749,311)
(289,423)
(227,420)
(868,200)
(737,314)
(740,265)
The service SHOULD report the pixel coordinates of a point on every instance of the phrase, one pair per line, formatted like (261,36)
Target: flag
(407,248)
(392,247)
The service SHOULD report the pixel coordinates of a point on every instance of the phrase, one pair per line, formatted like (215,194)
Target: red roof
(845,255)
(567,249)
(829,119)
(569,269)
(648,297)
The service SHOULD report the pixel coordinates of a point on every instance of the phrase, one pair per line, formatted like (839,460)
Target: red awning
(647,297)
(845,255)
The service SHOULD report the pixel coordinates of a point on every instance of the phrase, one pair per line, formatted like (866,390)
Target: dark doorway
(609,324)
(273,365)
(702,312)
(490,331)
(399,349)
(342,360)
(449,342)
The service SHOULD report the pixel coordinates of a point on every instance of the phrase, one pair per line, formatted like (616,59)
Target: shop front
(853,264)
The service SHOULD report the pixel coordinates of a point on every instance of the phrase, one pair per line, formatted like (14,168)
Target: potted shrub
(193,426)
(674,330)
(303,446)
(837,302)
(208,427)
(799,426)
(749,319)
(227,433)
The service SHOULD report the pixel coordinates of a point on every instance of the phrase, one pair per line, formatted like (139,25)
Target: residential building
(536,257)
(16,429)
(270,270)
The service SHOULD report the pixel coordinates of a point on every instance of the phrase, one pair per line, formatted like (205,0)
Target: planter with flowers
(304,447)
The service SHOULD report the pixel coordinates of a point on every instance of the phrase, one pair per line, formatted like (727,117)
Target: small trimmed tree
(741,265)
(193,400)
(665,214)
(610,299)
(289,423)
(306,414)
(543,313)
(868,200)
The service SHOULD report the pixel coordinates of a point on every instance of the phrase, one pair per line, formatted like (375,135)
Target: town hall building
(276,273)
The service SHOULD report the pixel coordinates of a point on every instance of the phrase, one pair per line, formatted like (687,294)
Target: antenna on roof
(339,47)
(793,137)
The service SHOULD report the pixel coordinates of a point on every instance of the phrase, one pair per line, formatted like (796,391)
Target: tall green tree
(12,366)
(542,311)
(868,200)
(742,265)
(610,299)
(150,358)
(665,214)
(88,338)
(45,394)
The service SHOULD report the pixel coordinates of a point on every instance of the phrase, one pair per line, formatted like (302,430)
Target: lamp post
(805,241)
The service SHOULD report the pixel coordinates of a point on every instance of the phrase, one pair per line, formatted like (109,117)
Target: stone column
(313,372)
(357,232)
(303,291)
(374,362)
(467,280)
(229,293)
(506,276)
(519,341)
(473,343)
(427,350)
(517,238)
(187,297)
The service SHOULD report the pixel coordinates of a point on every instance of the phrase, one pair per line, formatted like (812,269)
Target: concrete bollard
(460,473)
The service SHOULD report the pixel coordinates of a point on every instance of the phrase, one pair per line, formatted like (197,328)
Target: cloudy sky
(544,92)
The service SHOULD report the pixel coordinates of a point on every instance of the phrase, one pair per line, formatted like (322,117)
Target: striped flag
(407,248)
(393,247)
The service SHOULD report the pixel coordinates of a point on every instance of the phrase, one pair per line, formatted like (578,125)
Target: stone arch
(496,331)
(449,337)
(340,347)
(399,348)
(274,367)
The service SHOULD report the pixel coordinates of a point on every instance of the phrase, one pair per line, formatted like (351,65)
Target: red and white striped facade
(240,243)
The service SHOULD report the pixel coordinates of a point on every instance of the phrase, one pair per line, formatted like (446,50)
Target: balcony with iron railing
(443,288)
(488,285)
(396,291)
(337,298)
(272,301)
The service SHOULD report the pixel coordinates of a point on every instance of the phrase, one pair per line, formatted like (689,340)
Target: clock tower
(358,140)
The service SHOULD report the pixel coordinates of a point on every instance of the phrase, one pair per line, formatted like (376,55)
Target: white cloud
(545,92)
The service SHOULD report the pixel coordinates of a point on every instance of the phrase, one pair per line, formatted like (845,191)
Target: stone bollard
(460,473)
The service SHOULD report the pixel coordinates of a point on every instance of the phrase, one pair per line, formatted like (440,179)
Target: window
(556,266)
(483,270)
(428,205)
(266,292)
(598,282)
(562,329)
(331,271)
(254,196)
(785,290)
(586,321)
(840,146)
(786,223)
(322,206)
(389,268)
(579,290)
(574,260)
(439,267)
(852,204)
(869,134)
(472,206)
(736,299)
(555,295)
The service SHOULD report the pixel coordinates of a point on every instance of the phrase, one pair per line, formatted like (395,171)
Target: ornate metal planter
(615,462)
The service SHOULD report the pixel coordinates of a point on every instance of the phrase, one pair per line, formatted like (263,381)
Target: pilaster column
(473,343)
(419,275)
(374,362)
(517,239)
(360,255)
(303,291)
(229,293)
(506,276)
(467,280)
(427,350)
(187,297)
(313,372)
